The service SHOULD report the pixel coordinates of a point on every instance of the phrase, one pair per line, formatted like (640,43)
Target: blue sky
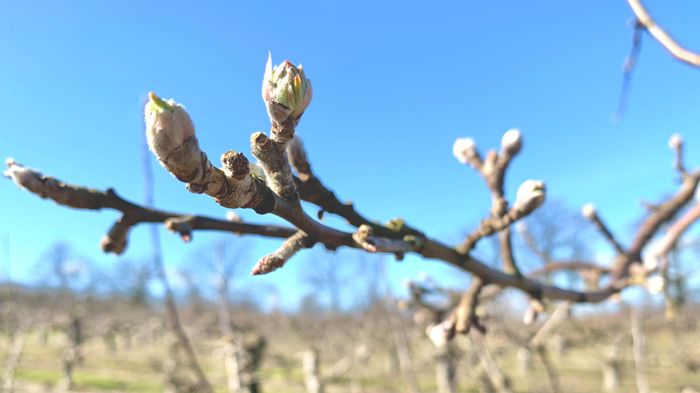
(394,84)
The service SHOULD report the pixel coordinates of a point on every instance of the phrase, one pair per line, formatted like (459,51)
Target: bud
(655,285)
(534,308)
(588,211)
(675,142)
(464,149)
(530,196)
(22,176)
(168,125)
(441,333)
(232,216)
(437,335)
(286,91)
(512,141)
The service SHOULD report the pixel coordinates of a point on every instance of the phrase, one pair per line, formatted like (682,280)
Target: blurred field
(674,354)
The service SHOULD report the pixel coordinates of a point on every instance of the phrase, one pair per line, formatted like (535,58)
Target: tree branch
(662,36)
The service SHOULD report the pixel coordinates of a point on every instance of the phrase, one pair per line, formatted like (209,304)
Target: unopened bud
(232,216)
(530,316)
(675,142)
(168,125)
(530,196)
(512,141)
(286,91)
(588,211)
(655,285)
(464,149)
(441,333)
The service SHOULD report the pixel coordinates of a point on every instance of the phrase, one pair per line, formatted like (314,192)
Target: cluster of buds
(286,91)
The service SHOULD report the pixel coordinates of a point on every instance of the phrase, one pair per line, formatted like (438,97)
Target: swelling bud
(464,149)
(286,91)
(530,196)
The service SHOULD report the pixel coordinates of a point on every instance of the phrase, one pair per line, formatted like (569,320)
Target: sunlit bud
(655,285)
(286,91)
(530,196)
(464,149)
(512,141)
(651,258)
(168,125)
(675,142)
(441,333)
(533,311)
(22,176)
(233,216)
(530,315)
(588,211)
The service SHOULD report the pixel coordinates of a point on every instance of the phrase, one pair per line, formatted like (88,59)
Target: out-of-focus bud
(233,216)
(530,196)
(464,149)
(441,333)
(637,274)
(286,91)
(168,125)
(512,141)
(530,316)
(419,317)
(651,257)
(655,285)
(533,311)
(22,176)
(588,211)
(675,142)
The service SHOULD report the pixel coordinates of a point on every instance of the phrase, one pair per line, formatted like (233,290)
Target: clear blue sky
(394,84)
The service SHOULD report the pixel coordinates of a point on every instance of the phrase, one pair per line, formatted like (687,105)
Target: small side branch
(656,31)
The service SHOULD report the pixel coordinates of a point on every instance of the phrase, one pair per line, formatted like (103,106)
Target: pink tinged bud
(464,149)
(286,91)
(588,211)
(675,142)
(530,195)
(512,141)
(168,125)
